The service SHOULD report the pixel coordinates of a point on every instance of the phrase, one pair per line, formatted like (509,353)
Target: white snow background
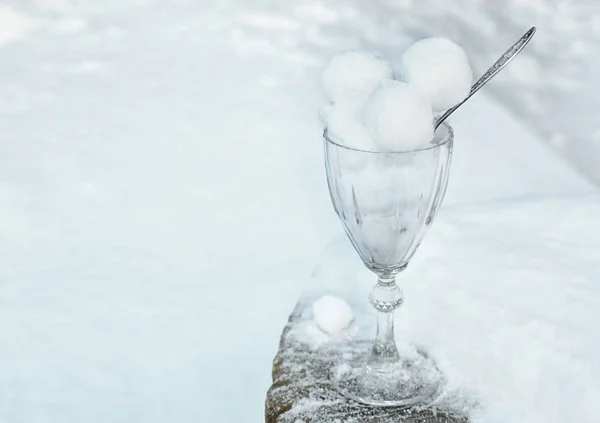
(163,204)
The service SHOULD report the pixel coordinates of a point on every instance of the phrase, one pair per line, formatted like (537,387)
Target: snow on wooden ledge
(301,392)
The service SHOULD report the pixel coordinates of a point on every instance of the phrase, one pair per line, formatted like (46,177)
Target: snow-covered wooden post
(301,392)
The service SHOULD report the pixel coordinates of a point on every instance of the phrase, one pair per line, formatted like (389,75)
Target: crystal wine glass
(386,201)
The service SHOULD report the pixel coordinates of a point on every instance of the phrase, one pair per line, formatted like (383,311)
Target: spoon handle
(491,72)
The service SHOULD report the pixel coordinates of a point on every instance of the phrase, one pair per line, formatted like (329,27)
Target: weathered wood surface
(301,392)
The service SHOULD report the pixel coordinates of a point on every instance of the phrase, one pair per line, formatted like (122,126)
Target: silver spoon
(491,72)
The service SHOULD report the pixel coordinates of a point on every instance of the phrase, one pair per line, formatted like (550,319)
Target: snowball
(352,75)
(440,69)
(345,127)
(398,117)
(332,314)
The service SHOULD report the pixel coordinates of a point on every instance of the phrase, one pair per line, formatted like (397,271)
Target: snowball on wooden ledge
(332,314)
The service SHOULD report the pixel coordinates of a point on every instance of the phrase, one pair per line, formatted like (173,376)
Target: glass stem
(386,297)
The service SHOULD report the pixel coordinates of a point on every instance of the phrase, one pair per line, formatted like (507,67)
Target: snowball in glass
(353,75)
(398,117)
(440,69)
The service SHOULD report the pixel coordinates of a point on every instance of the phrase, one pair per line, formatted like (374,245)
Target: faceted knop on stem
(386,296)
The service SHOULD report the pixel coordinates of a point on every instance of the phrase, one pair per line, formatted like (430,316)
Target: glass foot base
(411,381)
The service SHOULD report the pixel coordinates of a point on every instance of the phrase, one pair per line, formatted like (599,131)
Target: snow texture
(163,203)
(398,117)
(439,69)
(352,76)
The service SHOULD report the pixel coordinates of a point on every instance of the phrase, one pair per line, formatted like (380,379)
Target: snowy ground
(163,204)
